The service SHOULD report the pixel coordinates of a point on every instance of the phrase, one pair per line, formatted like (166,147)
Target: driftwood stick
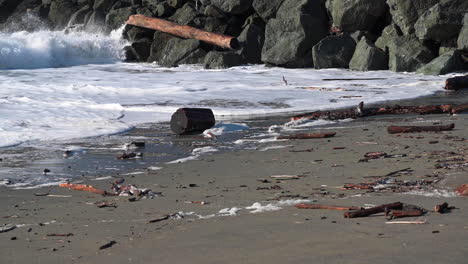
(308,136)
(405,213)
(329,207)
(83,187)
(414,129)
(460,109)
(373,210)
(183,31)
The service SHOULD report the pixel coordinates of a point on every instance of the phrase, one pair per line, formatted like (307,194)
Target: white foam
(259,208)
(437,193)
(229,211)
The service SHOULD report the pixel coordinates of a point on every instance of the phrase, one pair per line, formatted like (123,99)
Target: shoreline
(232,181)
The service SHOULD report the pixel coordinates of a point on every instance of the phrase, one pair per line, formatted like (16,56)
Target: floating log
(183,31)
(456,83)
(192,120)
(405,213)
(415,129)
(373,210)
(83,187)
(308,136)
(329,207)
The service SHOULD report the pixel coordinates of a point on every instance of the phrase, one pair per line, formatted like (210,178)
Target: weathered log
(329,207)
(308,136)
(183,31)
(415,129)
(192,120)
(373,210)
(360,111)
(456,83)
(460,109)
(405,213)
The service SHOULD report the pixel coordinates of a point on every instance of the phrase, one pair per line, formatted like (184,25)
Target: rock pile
(427,36)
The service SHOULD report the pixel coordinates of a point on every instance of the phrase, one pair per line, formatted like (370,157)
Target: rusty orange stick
(83,187)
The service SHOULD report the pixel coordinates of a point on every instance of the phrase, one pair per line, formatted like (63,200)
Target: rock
(184,15)
(176,3)
(215,25)
(6,8)
(144,11)
(103,5)
(443,21)
(446,63)
(462,41)
(353,15)
(267,8)
(117,17)
(389,34)
(164,10)
(176,50)
(233,6)
(407,54)
(213,11)
(142,49)
(130,54)
(133,33)
(368,57)
(96,22)
(60,12)
(447,46)
(405,13)
(219,60)
(160,40)
(251,41)
(334,52)
(151,3)
(79,16)
(289,37)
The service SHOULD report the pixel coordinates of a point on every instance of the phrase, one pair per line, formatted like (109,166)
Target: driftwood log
(308,136)
(329,207)
(360,111)
(442,208)
(373,210)
(405,213)
(183,31)
(456,83)
(415,129)
(192,120)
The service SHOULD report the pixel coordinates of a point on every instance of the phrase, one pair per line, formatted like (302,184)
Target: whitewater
(57,86)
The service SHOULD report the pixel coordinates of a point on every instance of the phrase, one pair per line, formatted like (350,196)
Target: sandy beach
(249,217)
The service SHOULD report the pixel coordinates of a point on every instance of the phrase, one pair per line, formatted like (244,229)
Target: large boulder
(79,16)
(334,52)
(267,8)
(449,62)
(407,54)
(164,10)
(184,15)
(220,60)
(96,21)
(368,57)
(132,33)
(387,39)
(60,12)
(406,12)
(177,51)
(160,40)
(103,5)
(117,17)
(298,26)
(251,41)
(139,49)
(353,15)
(443,21)
(233,6)
(463,36)
(6,8)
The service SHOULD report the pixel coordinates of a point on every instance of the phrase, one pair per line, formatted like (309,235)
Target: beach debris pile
(118,189)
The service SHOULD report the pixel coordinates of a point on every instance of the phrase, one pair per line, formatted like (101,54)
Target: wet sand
(238,180)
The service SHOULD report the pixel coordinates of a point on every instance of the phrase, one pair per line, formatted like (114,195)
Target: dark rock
(60,12)
(176,3)
(164,10)
(79,16)
(184,15)
(254,19)
(368,57)
(6,8)
(29,15)
(289,37)
(233,6)
(103,5)
(219,60)
(145,11)
(251,41)
(443,21)
(353,15)
(142,49)
(151,3)
(176,50)
(447,46)
(96,22)
(389,34)
(117,17)
(446,63)
(267,8)
(407,54)
(196,57)
(405,13)
(133,33)
(160,40)
(334,52)
(358,35)
(235,24)
(215,25)
(213,11)
(462,41)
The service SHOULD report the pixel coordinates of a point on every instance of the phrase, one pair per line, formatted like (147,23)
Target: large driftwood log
(415,129)
(373,210)
(192,120)
(405,213)
(456,83)
(183,31)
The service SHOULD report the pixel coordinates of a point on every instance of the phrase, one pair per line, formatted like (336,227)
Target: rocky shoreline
(429,37)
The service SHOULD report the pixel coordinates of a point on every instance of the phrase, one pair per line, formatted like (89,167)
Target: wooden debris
(460,109)
(329,207)
(41,194)
(456,83)
(104,204)
(83,187)
(362,186)
(375,155)
(7,228)
(442,208)
(462,190)
(108,245)
(405,213)
(165,217)
(373,210)
(192,120)
(407,222)
(183,31)
(414,129)
(60,235)
(130,155)
(308,136)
